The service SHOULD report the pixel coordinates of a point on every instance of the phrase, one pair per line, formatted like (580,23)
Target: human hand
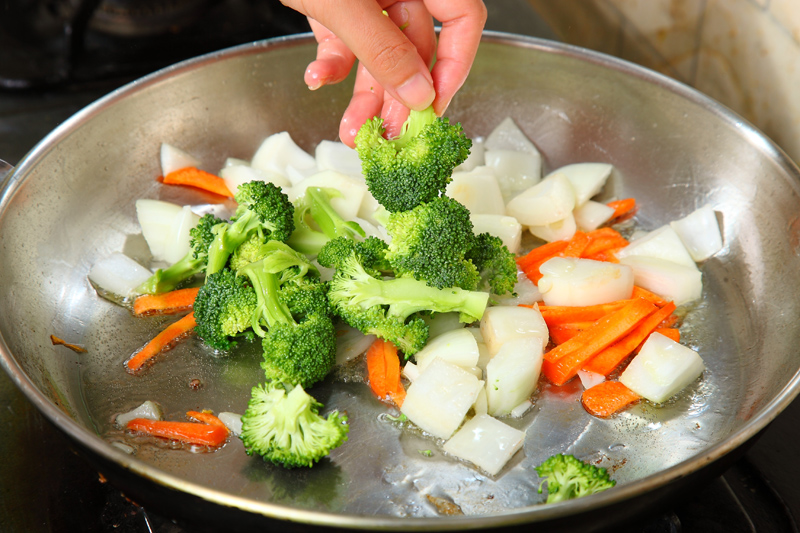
(394,52)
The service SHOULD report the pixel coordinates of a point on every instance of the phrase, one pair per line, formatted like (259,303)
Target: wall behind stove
(743,53)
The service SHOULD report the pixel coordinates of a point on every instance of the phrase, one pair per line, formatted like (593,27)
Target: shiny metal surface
(70,202)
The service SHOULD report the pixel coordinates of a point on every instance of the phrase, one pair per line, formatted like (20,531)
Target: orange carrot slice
(608,359)
(603,239)
(188,432)
(576,245)
(194,177)
(672,333)
(563,332)
(206,417)
(564,314)
(383,369)
(639,292)
(622,207)
(563,362)
(607,398)
(162,342)
(166,303)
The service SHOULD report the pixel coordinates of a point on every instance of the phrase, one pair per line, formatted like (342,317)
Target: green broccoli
(417,166)
(264,210)
(430,243)
(497,266)
(371,254)
(194,262)
(287,429)
(292,316)
(568,477)
(384,307)
(224,308)
(316,221)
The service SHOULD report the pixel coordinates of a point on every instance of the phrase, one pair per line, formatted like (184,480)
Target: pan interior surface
(71,202)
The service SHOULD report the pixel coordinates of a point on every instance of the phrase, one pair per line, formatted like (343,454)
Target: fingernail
(417,92)
(313,79)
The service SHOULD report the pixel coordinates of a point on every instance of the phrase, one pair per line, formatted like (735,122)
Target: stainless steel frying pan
(71,202)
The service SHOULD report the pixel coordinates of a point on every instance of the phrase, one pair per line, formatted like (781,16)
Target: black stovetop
(46,488)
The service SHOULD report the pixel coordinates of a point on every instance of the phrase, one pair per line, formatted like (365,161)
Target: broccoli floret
(224,308)
(497,266)
(430,243)
(417,166)
(194,262)
(383,307)
(371,253)
(264,210)
(292,316)
(287,428)
(317,222)
(568,477)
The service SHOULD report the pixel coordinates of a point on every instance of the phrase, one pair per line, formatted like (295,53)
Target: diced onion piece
(121,446)
(279,151)
(563,230)
(118,274)
(508,229)
(352,189)
(369,208)
(669,280)
(156,218)
(503,324)
(662,243)
(456,346)
(232,421)
(411,371)
(587,179)
(590,379)
(173,159)
(591,215)
(350,343)
(521,409)
(442,323)
(235,175)
(332,155)
(508,136)
(662,368)
(235,161)
(179,243)
(481,405)
(700,233)
(515,171)
(578,282)
(486,442)
(513,373)
(546,202)
(475,158)
(440,397)
(478,190)
(526,291)
(149,410)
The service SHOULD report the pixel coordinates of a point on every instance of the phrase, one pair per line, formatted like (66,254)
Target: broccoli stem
(165,280)
(229,237)
(270,307)
(329,221)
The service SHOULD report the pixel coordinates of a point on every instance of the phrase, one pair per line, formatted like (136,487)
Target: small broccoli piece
(568,477)
(194,262)
(317,222)
(497,266)
(263,209)
(417,166)
(383,307)
(371,254)
(292,316)
(287,429)
(430,243)
(224,308)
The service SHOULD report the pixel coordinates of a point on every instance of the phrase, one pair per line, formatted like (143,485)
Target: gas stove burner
(146,17)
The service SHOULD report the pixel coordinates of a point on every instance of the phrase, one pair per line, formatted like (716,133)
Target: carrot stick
(166,303)
(608,255)
(672,333)
(563,332)
(194,177)
(622,207)
(563,314)
(562,362)
(541,254)
(576,245)
(188,432)
(607,360)
(383,369)
(652,297)
(603,239)
(607,398)
(162,342)
(206,417)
